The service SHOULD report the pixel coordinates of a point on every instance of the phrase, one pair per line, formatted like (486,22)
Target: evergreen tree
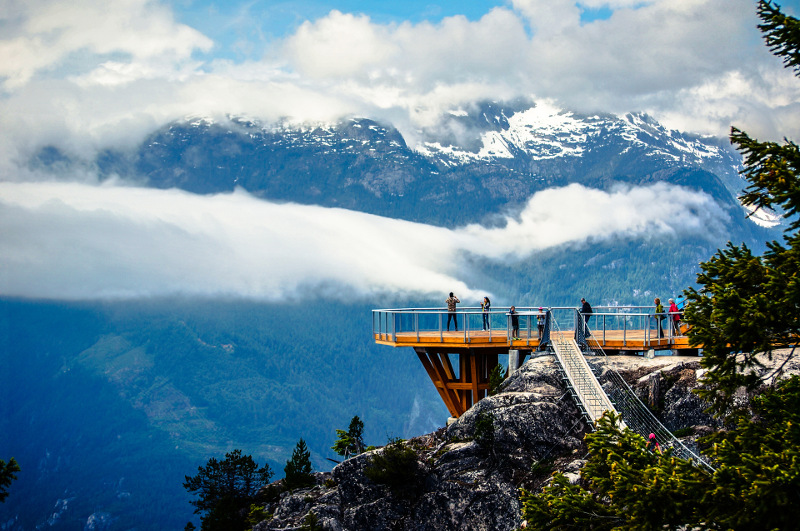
(350,442)
(623,486)
(298,468)
(225,490)
(746,307)
(396,467)
(484,430)
(7,475)
(496,378)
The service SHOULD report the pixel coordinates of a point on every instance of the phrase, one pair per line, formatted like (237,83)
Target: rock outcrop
(466,480)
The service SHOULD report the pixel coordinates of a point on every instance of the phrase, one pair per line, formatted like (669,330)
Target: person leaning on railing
(514,322)
(659,314)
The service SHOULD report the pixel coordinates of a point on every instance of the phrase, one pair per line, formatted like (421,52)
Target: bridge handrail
(640,419)
(584,383)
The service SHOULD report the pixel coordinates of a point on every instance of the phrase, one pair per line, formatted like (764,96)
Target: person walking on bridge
(451,302)
(586,311)
(652,444)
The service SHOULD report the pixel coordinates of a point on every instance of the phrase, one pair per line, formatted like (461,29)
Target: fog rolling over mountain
(205,297)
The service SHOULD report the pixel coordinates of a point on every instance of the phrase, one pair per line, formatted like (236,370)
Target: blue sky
(259,22)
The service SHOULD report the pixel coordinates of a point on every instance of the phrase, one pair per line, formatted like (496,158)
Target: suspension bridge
(478,339)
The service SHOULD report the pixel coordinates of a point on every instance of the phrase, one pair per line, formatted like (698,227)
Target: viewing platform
(614,329)
(459,362)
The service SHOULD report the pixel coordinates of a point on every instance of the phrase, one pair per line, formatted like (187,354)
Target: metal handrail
(580,376)
(388,322)
(638,417)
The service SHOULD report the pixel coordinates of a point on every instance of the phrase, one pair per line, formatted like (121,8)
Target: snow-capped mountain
(547,132)
(490,156)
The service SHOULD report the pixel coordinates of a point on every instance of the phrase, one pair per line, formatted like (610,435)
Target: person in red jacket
(674,318)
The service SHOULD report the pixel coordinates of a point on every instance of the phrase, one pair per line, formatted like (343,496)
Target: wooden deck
(610,340)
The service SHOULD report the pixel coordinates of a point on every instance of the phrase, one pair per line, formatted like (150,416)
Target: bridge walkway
(594,400)
(581,381)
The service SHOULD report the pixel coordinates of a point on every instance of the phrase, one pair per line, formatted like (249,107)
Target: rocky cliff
(468,477)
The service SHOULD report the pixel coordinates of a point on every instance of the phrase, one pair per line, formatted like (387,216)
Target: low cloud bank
(78,241)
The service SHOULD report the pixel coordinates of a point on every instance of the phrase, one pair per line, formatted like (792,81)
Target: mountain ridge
(496,155)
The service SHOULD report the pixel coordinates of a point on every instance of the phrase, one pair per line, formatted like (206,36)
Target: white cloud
(43,34)
(76,241)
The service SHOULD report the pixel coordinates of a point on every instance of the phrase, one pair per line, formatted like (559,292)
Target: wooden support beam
(436,379)
(439,371)
(471,384)
(464,373)
(473,362)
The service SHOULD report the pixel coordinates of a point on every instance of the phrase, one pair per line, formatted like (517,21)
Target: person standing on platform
(514,323)
(659,316)
(451,302)
(586,311)
(540,322)
(674,318)
(486,305)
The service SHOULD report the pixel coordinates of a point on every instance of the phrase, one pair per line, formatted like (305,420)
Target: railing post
(604,329)
(625,332)
(416,324)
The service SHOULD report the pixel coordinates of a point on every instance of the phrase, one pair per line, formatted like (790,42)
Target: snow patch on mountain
(763,217)
(546,131)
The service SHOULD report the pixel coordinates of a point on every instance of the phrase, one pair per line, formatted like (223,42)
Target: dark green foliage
(747,305)
(484,430)
(756,484)
(396,467)
(682,432)
(350,442)
(298,468)
(496,378)
(256,514)
(226,489)
(627,487)
(781,33)
(7,475)
(311,523)
(540,467)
